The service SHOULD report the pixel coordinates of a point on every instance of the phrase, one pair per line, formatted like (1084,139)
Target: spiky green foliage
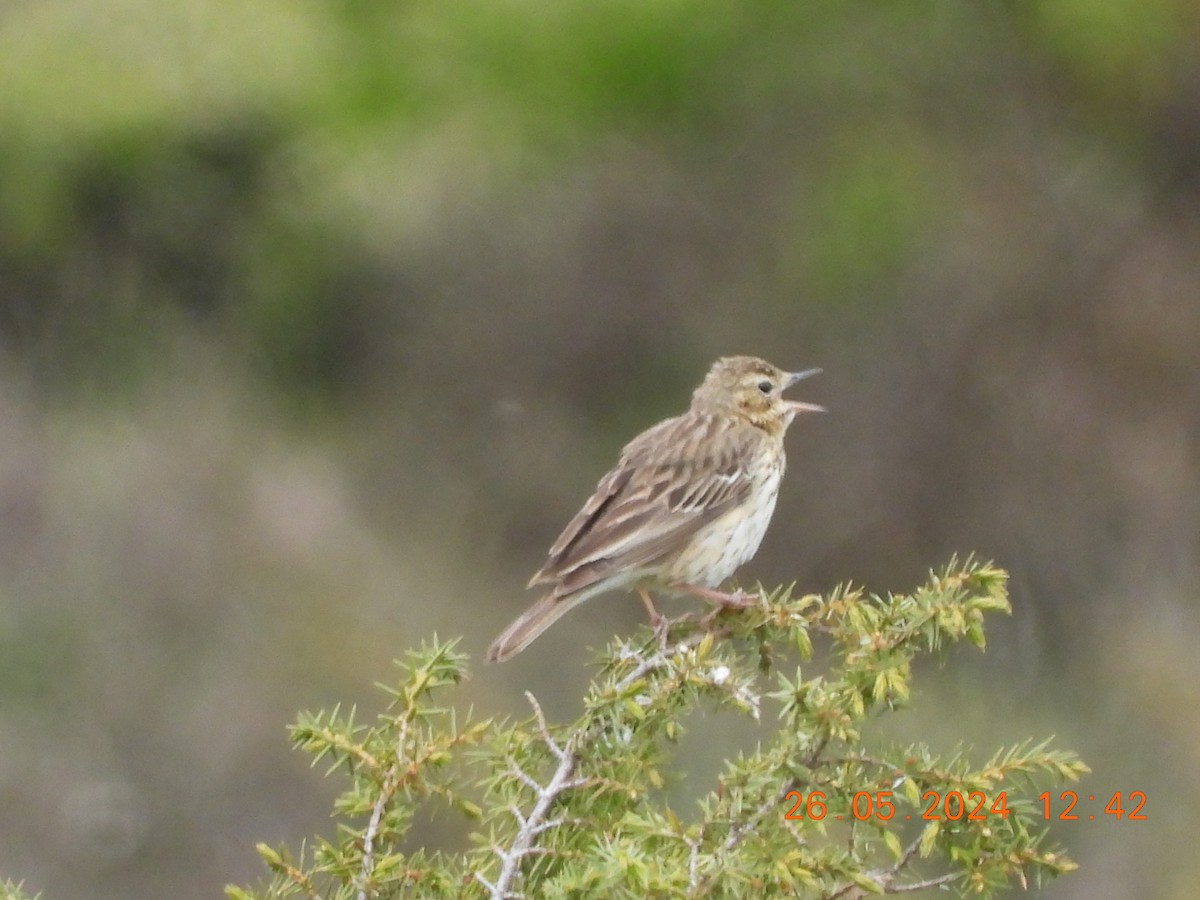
(579,809)
(13,891)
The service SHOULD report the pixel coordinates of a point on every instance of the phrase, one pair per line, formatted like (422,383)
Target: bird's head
(753,388)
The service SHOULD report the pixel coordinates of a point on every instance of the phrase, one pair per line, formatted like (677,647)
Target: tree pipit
(687,503)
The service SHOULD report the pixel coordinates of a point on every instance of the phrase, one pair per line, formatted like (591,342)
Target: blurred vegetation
(317,320)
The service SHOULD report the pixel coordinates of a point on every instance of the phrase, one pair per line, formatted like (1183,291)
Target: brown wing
(669,482)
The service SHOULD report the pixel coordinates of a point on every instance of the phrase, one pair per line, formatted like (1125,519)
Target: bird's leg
(655,616)
(660,623)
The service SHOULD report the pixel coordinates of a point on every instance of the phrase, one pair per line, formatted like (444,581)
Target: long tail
(531,623)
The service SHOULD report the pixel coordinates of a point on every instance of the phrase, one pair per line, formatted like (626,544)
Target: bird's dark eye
(765,386)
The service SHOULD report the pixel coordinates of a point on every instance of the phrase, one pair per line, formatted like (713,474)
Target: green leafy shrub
(581,810)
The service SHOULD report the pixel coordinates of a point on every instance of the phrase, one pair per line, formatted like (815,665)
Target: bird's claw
(741,600)
(662,629)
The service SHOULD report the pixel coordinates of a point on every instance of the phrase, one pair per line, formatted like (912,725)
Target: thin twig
(920,885)
(738,832)
(536,823)
(390,783)
(886,879)
(522,776)
(909,852)
(543,728)
(663,656)
(890,888)
(865,760)
(694,860)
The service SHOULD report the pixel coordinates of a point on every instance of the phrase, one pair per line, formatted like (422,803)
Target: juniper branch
(391,782)
(536,823)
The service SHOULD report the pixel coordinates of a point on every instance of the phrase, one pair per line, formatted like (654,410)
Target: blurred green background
(319,319)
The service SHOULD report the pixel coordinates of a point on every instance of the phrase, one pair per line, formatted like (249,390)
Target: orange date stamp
(953,806)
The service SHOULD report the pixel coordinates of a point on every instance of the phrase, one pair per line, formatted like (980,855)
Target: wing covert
(670,481)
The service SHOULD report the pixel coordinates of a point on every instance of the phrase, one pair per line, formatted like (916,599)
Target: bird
(687,503)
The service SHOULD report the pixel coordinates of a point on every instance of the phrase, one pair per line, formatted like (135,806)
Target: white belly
(722,546)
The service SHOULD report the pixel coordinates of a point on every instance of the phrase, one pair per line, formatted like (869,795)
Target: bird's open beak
(798,406)
(793,377)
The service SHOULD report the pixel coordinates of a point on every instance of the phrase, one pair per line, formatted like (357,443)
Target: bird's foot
(660,623)
(723,602)
(662,631)
(722,599)
(739,600)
